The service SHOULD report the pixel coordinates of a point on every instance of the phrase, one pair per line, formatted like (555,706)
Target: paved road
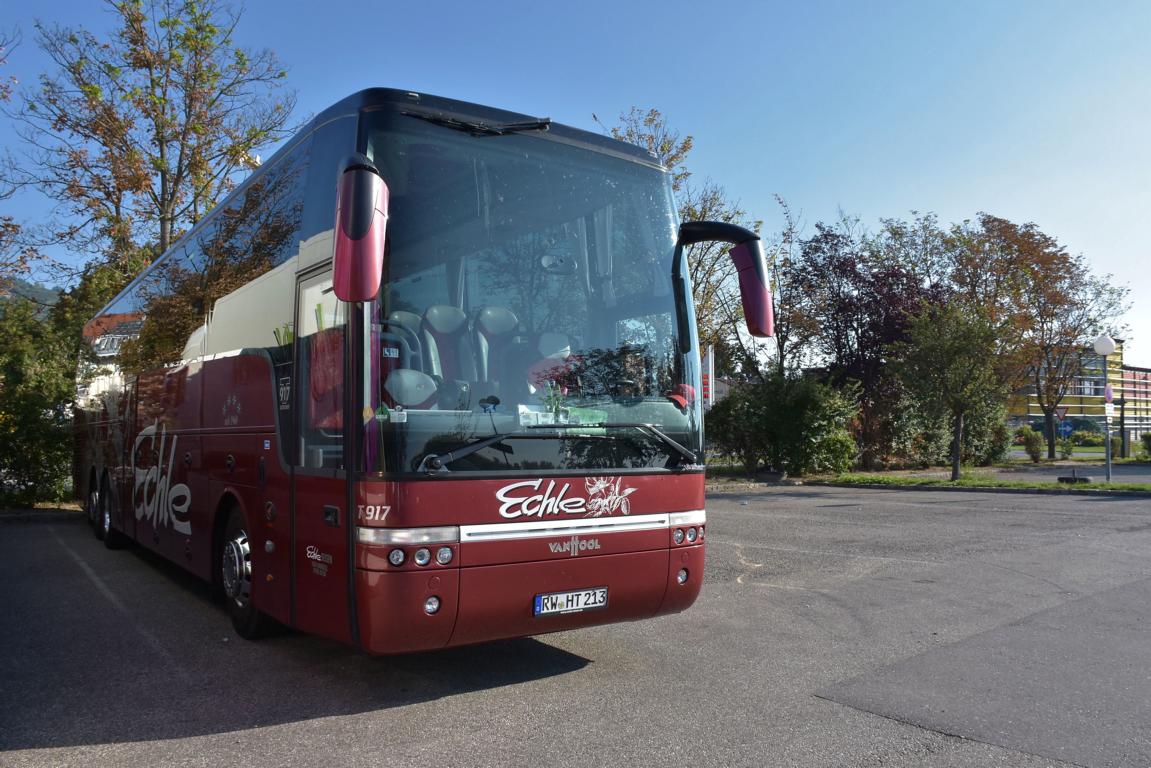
(1097,471)
(837,627)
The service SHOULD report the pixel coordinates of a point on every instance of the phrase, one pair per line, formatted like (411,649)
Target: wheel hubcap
(237,568)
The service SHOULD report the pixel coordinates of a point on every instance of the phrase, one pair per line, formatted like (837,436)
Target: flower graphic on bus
(534,498)
(605,496)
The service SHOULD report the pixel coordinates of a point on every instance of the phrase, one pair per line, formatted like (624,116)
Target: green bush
(1146,445)
(733,426)
(1087,439)
(792,424)
(1066,448)
(1116,446)
(986,438)
(1032,442)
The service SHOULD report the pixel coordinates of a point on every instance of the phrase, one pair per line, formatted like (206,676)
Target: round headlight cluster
(422,556)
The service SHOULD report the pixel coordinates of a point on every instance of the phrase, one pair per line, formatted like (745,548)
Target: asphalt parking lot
(837,627)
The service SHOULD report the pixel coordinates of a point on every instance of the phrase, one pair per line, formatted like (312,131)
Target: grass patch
(981,481)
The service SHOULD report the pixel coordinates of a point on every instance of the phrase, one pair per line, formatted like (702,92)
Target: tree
(137,136)
(13,261)
(714,284)
(1046,303)
(796,326)
(948,362)
(859,297)
(35,398)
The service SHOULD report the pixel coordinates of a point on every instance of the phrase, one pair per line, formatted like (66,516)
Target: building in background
(1086,400)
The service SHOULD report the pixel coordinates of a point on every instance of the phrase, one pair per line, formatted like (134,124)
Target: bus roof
(375,98)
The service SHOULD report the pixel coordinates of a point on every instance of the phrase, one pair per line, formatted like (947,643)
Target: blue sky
(1035,111)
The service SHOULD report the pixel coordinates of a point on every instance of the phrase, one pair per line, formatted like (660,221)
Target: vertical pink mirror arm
(361,226)
(754,288)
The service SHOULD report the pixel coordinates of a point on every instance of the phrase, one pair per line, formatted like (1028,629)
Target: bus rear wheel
(104,531)
(236,578)
(92,509)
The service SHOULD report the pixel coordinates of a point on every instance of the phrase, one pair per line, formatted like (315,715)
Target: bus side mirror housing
(361,224)
(750,265)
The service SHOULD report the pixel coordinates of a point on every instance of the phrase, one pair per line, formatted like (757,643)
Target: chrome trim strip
(538,529)
(694,517)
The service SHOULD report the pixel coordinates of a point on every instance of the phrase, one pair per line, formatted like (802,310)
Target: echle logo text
(155,497)
(605,496)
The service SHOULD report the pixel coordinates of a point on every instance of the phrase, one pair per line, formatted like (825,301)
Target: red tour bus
(428,377)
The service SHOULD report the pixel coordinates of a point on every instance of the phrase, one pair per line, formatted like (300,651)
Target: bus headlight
(422,556)
(691,535)
(677,537)
(396,557)
(444,555)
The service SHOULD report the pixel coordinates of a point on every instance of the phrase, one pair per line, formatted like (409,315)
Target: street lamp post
(1105,345)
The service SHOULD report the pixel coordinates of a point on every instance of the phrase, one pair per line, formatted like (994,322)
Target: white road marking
(101,587)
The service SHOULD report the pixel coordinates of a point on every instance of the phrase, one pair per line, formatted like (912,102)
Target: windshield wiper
(436,462)
(649,429)
(480,129)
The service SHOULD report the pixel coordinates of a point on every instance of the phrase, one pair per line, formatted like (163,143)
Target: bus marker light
(396,557)
(431,605)
(444,555)
(422,556)
(681,577)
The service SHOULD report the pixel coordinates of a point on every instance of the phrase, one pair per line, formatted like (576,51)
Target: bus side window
(321,325)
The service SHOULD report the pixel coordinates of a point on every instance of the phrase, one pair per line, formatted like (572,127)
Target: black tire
(112,538)
(235,569)
(92,509)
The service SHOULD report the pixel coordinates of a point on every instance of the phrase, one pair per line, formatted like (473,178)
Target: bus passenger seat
(495,329)
(408,325)
(410,389)
(446,347)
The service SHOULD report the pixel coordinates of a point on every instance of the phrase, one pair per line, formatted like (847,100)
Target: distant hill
(34,291)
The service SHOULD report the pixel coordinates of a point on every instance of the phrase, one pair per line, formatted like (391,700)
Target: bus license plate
(571,602)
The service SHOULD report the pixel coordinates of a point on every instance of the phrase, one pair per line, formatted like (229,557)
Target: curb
(980,489)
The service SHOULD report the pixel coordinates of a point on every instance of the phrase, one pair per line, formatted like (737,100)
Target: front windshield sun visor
(481,129)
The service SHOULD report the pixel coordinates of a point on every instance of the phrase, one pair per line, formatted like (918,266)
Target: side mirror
(361,223)
(750,264)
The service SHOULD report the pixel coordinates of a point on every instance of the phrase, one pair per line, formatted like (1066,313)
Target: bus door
(320,550)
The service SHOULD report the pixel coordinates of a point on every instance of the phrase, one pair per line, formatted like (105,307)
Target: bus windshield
(528,313)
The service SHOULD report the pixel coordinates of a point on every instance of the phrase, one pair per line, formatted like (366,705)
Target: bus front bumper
(492,602)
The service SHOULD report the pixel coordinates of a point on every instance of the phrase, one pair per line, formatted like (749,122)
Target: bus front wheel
(236,578)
